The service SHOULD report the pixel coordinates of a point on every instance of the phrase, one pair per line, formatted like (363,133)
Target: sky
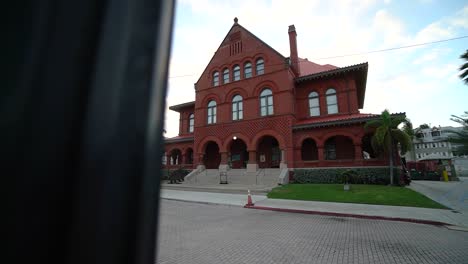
(421,81)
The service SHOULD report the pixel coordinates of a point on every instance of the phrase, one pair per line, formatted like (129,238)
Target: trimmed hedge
(355,175)
(174,173)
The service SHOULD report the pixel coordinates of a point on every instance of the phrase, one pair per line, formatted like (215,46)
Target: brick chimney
(293,50)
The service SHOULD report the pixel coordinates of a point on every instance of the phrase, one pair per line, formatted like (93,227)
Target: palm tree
(411,132)
(464,67)
(460,137)
(387,136)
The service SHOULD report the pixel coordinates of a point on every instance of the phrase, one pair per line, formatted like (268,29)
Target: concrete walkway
(458,220)
(451,194)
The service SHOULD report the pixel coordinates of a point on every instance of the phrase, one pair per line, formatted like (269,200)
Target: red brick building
(255,108)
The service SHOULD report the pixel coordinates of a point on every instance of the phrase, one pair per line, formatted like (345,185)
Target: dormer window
(260,67)
(236,72)
(226,75)
(215,78)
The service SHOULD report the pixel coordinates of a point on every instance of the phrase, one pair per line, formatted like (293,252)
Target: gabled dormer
(240,56)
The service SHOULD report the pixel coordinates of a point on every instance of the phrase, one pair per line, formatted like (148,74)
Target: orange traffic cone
(249,199)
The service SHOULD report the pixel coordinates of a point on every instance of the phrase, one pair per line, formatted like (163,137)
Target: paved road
(201,233)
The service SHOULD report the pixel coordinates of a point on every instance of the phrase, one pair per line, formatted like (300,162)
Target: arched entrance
(238,154)
(367,150)
(212,158)
(268,153)
(309,150)
(176,157)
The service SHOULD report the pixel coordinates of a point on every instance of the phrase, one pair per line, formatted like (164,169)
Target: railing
(194,175)
(261,171)
(284,176)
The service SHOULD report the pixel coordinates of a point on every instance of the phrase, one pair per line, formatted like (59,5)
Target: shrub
(348,176)
(164,175)
(174,174)
(377,175)
(178,173)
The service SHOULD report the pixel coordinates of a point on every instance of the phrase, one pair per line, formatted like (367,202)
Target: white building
(432,143)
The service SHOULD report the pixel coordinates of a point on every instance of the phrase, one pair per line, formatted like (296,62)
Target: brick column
(224,157)
(283,159)
(223,165)
(321,154)
(200,164)
(358,152)
(358,160)
(181,159)
(252,157)
(252,164)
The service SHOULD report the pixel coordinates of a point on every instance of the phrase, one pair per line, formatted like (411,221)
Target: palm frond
(379,135)
(403,139)
(396,121)
(373,123)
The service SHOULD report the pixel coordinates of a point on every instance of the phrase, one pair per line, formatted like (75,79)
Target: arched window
(314,105)
(236,73)
(260,67)
(266,102)
(237,108)
(332,103)
(226,75)
(211,112)
(191,123)
(247,70)
(215,78)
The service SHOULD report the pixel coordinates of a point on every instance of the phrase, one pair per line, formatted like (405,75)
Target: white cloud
(324,29)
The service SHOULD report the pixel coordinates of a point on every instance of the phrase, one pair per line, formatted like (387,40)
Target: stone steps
(220,188)
(263,177)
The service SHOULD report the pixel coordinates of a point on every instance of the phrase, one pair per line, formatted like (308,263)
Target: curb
(199,202)
(399,219)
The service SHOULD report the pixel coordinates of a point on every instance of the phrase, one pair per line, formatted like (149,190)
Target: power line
(395,48)
(361,53)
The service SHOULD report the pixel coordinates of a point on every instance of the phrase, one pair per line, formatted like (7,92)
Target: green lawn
(359,193)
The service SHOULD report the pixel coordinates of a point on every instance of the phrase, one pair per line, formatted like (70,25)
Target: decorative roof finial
(235,20)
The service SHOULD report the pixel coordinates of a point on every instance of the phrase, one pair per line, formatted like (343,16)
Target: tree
(387,136)
(460,137)
(411,132)
(423,126)
(464,67)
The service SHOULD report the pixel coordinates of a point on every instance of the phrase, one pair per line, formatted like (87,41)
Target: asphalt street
(202,233)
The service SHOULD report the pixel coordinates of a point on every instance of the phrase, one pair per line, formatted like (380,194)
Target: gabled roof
(335,120)
(179,107)
(227,35)
(360,70)
(186,138)
(307,67)
(332,71)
